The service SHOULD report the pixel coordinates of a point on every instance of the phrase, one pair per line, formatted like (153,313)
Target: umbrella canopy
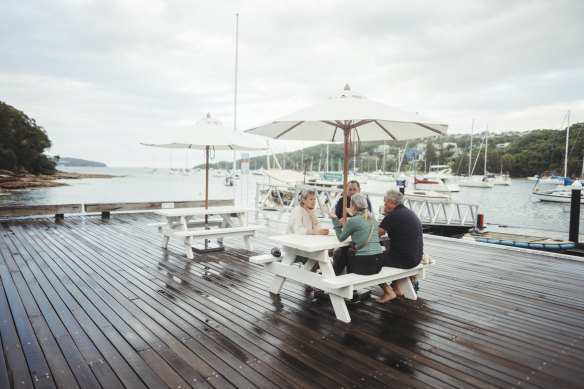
(206,134)
(368,119)
(346,117)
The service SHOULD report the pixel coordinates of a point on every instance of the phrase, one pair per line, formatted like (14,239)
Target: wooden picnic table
(181,224)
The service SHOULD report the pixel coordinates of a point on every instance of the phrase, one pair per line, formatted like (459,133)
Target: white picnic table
(339,288)
(313,247)
(180,224)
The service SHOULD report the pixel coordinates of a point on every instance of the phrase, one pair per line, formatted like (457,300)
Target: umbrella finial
(347,88)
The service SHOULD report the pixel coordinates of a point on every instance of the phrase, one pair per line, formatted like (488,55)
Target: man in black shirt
(404,230)
(352,188)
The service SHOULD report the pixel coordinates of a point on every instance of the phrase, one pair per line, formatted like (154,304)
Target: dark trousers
(359,264)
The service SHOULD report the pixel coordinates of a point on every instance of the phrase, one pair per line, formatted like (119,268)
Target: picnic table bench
(339,288)
(181,225)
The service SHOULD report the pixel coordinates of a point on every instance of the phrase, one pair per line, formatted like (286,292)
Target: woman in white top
(303,221)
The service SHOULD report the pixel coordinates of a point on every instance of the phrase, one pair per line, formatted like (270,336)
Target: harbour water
(511,206)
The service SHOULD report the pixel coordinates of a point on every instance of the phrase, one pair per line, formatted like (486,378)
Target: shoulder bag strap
(367,241)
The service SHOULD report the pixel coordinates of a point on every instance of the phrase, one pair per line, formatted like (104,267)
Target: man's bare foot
(386,297)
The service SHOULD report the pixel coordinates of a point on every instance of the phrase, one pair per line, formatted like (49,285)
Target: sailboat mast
(470,151)
(486,149)
(235,98)
(567,136)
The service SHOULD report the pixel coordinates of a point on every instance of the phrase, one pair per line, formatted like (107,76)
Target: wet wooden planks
(90,302)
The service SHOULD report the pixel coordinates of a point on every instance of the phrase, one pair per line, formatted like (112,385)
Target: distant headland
(76,162)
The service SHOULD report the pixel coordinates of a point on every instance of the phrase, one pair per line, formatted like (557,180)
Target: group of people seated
(366,255)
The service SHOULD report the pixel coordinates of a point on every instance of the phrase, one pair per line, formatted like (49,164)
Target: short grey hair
(395,196)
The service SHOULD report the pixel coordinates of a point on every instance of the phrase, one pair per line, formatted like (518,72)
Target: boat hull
(556,196)
(475,184)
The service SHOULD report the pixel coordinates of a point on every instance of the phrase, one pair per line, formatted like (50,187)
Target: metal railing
(439,213)
(285,198)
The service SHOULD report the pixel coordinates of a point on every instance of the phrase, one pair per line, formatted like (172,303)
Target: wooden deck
(91,302)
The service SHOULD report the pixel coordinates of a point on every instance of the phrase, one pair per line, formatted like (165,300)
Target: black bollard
(575,214)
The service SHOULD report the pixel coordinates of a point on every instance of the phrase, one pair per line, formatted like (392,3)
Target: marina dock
(87,302)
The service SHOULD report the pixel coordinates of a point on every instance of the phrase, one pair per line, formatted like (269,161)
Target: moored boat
(475,182)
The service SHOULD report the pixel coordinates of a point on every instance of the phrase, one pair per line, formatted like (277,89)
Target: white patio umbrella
(206,134)
(350,117)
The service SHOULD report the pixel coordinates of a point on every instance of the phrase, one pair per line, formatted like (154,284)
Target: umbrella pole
(347,133)
(206,190)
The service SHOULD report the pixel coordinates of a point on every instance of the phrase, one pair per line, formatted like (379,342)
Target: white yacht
(426,195)
(475,181)
(381,176)
(501,179)
(557,195)
(439,179)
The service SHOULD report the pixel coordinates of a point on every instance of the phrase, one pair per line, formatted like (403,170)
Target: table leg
(225,223)
(278,281)
(406,286)
(170,223)
(339,305)
(189,247)
(247,238)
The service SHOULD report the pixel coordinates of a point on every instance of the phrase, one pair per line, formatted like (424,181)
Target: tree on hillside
(431,157)
(22,143)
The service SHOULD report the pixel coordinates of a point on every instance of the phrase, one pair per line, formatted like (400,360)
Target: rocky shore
(12,181)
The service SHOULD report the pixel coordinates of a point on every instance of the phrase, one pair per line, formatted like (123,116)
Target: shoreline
(10,181)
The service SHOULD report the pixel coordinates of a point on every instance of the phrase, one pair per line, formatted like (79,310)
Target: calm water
(512,206)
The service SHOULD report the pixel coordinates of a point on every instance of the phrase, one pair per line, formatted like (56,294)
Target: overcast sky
(101,76)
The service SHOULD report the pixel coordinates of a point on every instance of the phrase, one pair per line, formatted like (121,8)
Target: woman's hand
(322,231)
(351,210)
(331,213)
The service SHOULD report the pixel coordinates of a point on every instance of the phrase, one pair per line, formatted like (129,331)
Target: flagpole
(235,94)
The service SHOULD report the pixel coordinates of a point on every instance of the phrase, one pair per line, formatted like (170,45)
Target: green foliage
(527,154)
(22,143)
(431,156)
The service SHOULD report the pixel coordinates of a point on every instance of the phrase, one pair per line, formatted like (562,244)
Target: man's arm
(384,225)
(339,208)
(381,231)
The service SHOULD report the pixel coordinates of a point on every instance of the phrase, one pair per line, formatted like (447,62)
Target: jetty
(90,301)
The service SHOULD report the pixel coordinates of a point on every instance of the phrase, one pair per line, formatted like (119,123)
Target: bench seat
(197,223)
(213,233)
(386,274)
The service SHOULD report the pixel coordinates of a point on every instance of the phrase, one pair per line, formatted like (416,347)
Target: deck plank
(104,305)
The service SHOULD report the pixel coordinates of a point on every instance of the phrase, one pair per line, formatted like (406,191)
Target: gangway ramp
(435,213)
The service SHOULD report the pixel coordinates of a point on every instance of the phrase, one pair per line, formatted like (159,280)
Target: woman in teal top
(363,230)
